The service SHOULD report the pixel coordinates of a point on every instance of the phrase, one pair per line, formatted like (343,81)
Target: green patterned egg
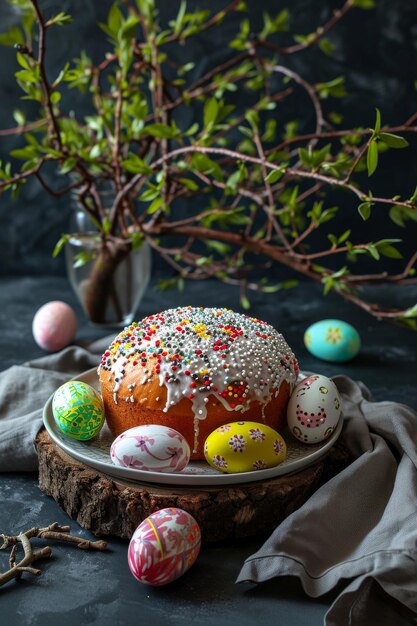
(78,410)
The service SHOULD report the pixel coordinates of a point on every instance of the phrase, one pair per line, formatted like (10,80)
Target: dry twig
(53,531)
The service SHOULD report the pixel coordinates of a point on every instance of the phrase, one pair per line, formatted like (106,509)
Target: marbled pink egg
(54,326)
(164,546)
(151,448)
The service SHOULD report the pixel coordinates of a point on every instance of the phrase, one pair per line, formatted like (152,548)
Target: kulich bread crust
(147,409)
(138,379)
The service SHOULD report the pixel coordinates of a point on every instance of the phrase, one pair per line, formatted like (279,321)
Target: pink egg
(164,546)
(54,326)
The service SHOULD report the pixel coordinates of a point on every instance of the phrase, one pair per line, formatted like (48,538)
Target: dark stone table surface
(80,587)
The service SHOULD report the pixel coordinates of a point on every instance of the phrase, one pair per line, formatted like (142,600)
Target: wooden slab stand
(107,506)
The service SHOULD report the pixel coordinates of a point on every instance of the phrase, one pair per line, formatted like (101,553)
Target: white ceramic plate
(96,453)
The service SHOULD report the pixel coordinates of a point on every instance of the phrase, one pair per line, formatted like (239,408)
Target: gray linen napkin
(361,525)
(24,389)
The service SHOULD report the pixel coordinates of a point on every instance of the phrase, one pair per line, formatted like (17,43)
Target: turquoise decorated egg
(332,340)
(244,447)
(78,410)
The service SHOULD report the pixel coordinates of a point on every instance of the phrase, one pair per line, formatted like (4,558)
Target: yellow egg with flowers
(244,447)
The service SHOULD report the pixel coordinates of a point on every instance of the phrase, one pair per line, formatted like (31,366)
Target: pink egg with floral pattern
(164,546)
(314,409)
(151,448)
(54,326)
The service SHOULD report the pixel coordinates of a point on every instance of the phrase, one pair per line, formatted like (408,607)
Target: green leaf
(253,118)
(335,117)
(275,175)
(204,260)
(68,165)
(244,302)
(82,258)
(327,215)
(192,130)
(11,37)
(276,24)
(24,153)
(365,210)
(329,283)
(162,131)
(326,46)
(189,184)
(137,238)
(23,62)
(136,165)
(373,251)
(372,158)
(204,164)
(211,110)
(377,121)
(305,157)
(389,251)
(19,117)
(218,246)
(332,239)
(396,215)
(149,194)
(27,76)
(55,97)
(180,17)
(61,76)
(155,205)
(106,225)
(128,30)
(185,68)
(413,198)
(246,131)
(95,151)
(345,236)
(314,158)
(233,181)
(270,130)
(114,19)
(335,88)
(291,130)
(60,244)
(59,20)
(411,312)
(285,284)
(393,141)
(364,4)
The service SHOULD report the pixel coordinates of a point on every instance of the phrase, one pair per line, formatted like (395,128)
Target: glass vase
(108,277)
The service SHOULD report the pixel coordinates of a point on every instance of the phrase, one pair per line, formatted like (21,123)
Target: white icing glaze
(197,352)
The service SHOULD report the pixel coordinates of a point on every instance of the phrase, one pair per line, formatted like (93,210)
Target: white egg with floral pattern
(244,447)
(314,409)
(151,448)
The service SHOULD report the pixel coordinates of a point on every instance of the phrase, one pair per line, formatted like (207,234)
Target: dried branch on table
(53,531)
(238,187)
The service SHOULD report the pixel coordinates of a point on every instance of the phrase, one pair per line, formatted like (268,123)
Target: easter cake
(194,369)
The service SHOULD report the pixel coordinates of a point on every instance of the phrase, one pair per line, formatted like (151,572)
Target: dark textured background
(376,51)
